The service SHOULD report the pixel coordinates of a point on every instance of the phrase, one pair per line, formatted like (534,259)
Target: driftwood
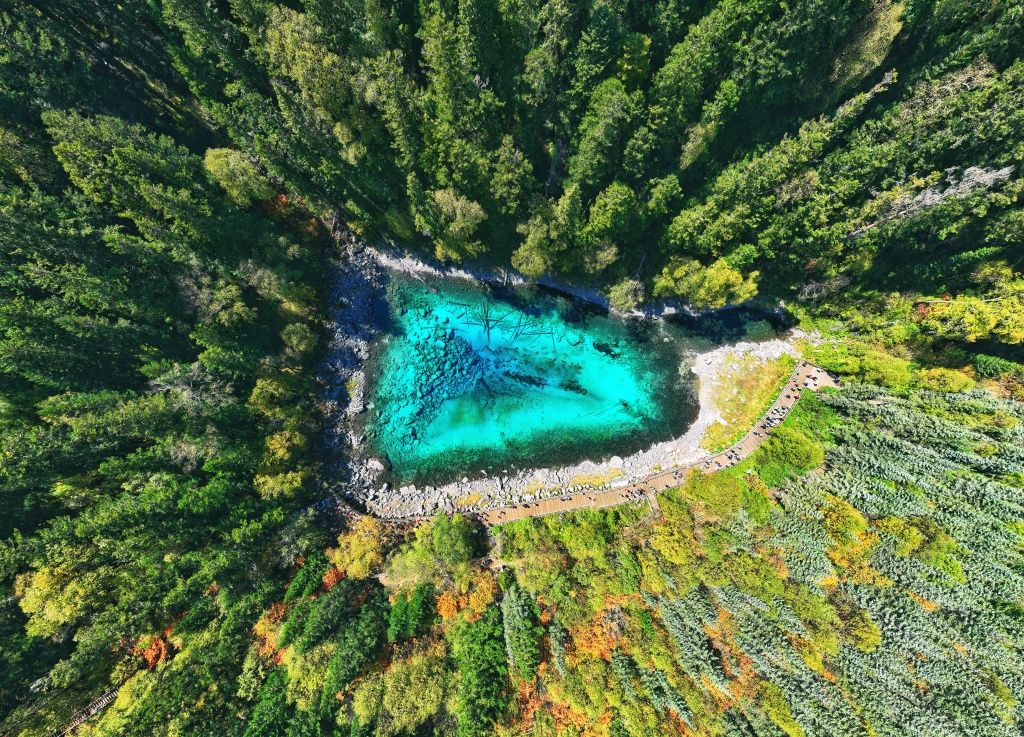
(816,290)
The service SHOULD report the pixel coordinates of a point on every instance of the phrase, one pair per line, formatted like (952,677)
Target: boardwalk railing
(805,376)
(99,704)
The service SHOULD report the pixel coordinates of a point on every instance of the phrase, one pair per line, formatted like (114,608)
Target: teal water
(471,378)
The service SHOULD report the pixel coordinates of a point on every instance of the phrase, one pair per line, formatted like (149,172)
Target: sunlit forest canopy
(181,181)
(707,151)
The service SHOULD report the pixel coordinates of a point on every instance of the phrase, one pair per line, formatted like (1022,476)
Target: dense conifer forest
(175,177)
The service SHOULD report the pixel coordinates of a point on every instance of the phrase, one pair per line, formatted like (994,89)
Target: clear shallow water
(472,377)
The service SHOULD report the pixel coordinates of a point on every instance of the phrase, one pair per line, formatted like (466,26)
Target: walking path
(805,377)
(99,704)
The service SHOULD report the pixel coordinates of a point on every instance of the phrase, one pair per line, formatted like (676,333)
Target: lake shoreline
(392,258)
(353,473)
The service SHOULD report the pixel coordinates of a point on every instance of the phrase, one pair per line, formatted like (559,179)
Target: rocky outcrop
(357,282)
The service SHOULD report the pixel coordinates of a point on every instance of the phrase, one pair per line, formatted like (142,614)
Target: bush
(307,579)
(720,494)
(479,653)
(239,177)
(453,540)
(791,447)
(865,363)
(411,613)
(522,631)
(788,451)
(945,380)
(990,367)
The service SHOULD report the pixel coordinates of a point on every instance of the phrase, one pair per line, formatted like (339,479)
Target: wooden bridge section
(96,706)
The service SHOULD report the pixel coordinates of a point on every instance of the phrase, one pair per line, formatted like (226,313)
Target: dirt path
(804,377)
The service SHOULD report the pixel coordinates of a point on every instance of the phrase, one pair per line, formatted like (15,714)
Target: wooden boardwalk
(805,377)
(99,704)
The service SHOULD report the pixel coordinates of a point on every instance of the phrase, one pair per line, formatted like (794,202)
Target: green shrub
(992,366)
(522,631)
(411,612)
(789,446)
(719,493)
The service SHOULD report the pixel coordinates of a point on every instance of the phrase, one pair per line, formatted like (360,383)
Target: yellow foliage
(868,44)
(53,598)
(596,479)
(774,703)
(675,542)
(470,500)
(406,695)
(482,595)
(281,445)
(278,485)
(359,550)
(267,396)
(744,395)
(534,487)
(945,380)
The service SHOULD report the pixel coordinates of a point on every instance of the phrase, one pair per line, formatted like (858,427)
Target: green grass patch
(744,396)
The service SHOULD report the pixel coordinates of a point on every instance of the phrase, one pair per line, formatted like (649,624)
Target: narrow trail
(804,377)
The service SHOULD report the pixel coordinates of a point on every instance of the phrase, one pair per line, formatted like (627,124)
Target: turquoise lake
(470,378)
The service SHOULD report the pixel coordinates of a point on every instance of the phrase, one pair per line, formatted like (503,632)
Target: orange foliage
(447,605)
(812,658)
(266,628)
(158,649)
(332,577)
(779,564)
(744,683)
(529,703)
(739,668)
(931,606)
(564,716)
(268,646)
(596,638)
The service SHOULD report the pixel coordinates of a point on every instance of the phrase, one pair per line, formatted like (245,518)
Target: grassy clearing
(535,487)
(743,395)
(596,479)
(470,500)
